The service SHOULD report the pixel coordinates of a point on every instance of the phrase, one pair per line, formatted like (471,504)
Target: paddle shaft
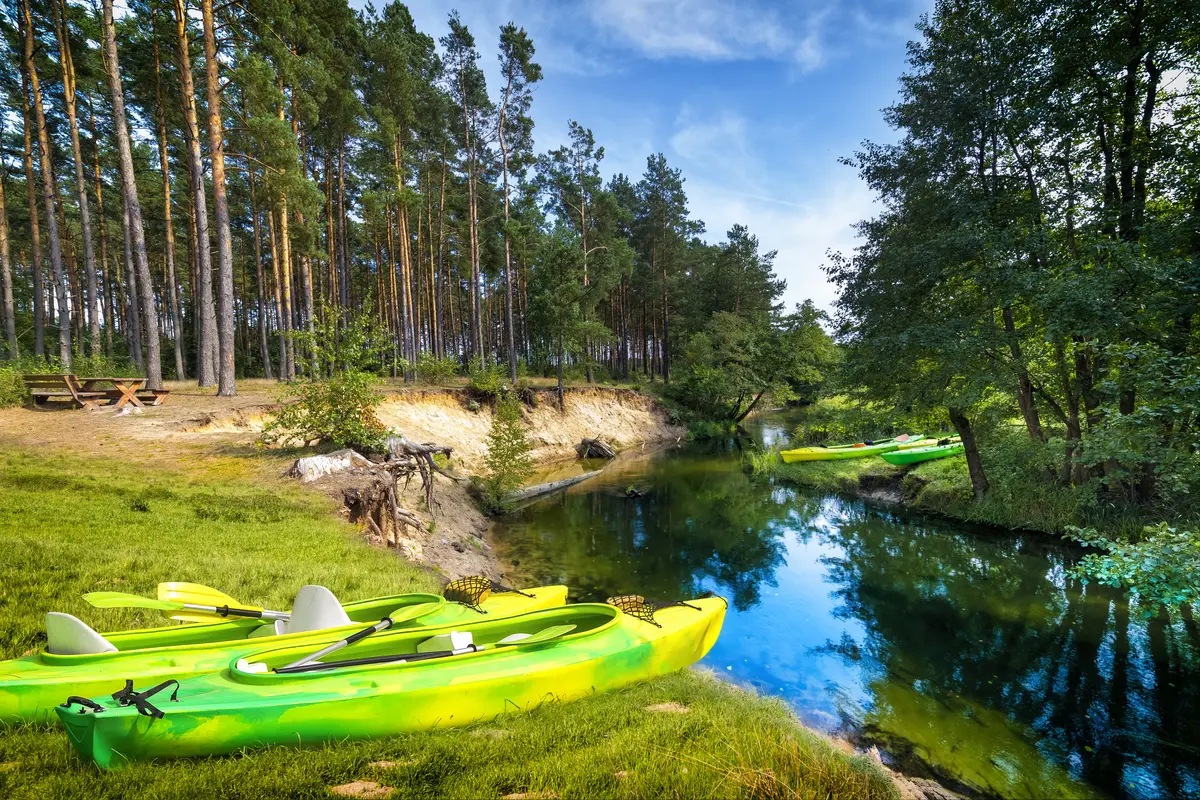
(382,625)
(230,611)
(359,662)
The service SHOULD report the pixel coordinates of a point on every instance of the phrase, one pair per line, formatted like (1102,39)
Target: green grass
(69,525)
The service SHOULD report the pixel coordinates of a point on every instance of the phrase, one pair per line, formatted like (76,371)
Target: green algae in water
(964,651)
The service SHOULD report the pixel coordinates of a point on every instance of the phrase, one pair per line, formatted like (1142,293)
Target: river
(963,652)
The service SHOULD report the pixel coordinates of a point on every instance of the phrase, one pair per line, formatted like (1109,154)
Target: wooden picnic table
(91,392)
(124,389)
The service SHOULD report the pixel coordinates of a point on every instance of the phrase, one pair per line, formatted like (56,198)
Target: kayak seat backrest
(316,609)
(68,636)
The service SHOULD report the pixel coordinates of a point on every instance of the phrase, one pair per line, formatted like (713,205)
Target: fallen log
(552,486)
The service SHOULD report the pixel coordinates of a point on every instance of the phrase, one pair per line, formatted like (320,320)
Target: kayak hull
(920,454)
(226,711)
(31,687)
(835,453)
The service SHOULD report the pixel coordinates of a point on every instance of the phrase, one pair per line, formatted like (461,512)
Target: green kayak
(919,454)
(369,690)
(838,452)
(30,687)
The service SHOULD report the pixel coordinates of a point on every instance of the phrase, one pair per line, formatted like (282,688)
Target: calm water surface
(960,651)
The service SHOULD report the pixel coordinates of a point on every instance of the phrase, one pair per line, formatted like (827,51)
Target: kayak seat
(68,636)
(316,609)
(277,628)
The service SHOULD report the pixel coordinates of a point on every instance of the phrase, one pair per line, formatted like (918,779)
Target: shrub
(338,411)
(437,371)
(507,462)
(486,380)
(12,390)
(1161,567)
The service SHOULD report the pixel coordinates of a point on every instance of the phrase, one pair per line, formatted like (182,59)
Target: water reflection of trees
(700,521)
(990,621)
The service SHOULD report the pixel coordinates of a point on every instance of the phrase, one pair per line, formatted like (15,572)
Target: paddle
(544,635)
(199,595)
(403,614)
(124,600)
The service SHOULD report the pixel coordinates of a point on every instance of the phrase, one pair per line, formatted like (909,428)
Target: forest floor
(100,501)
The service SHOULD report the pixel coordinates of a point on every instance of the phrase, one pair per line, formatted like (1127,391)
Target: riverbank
(935,487)
(95,501)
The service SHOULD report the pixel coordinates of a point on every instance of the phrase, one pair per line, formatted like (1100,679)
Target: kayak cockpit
(389,650)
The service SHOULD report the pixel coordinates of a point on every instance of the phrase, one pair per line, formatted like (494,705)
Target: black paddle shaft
(314,666)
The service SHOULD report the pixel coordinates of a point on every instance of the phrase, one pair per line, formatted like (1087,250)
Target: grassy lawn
(69,525)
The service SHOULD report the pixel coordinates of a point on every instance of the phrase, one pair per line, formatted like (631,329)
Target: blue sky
(755,101)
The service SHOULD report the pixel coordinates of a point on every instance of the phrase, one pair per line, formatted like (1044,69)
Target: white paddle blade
(68,636)
(454,640)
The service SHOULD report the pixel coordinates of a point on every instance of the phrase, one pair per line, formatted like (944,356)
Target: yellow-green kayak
(843,451)
(393,682)
(30,687)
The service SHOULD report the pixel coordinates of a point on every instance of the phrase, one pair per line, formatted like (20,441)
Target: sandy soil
(195,427)
(621,417)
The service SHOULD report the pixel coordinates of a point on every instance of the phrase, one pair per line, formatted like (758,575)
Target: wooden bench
(62,388)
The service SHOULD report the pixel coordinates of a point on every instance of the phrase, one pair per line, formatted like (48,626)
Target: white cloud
(715,30)
(802,232)
(710,140)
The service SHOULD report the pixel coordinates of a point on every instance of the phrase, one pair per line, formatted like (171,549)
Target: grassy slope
(71,525)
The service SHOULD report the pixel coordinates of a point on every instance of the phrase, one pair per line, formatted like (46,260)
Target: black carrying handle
(82,701)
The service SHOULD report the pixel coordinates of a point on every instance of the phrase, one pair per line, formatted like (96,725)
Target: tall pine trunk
(263,345)
(10,323)
(49,193)
(35,234)
(85,222)
(164,166)
(205,313)
(109,305)
(226,386)
(129,187)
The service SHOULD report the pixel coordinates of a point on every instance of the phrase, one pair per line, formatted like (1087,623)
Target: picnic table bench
(86,392)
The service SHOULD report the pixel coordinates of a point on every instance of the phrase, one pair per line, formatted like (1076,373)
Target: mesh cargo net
(472,590)
(640,608)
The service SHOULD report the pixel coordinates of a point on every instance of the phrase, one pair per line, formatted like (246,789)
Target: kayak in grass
(79,661)
(396,682)
(920,454)
(842,451)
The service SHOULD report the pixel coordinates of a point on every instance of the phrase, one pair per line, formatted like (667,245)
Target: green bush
(507,462)
(487,380)
(338,411)
(1161,567)
(12,390)
(436,371)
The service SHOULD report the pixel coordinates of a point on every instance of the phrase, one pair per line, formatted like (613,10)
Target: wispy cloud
(716,30)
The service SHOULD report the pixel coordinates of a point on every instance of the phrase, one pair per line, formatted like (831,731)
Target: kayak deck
(228,710)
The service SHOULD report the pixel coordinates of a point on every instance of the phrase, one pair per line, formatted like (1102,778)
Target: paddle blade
(409,613)
(544,635)
(124,600)
(196,594)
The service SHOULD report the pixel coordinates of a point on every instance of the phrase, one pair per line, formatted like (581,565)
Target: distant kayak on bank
(856,450)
